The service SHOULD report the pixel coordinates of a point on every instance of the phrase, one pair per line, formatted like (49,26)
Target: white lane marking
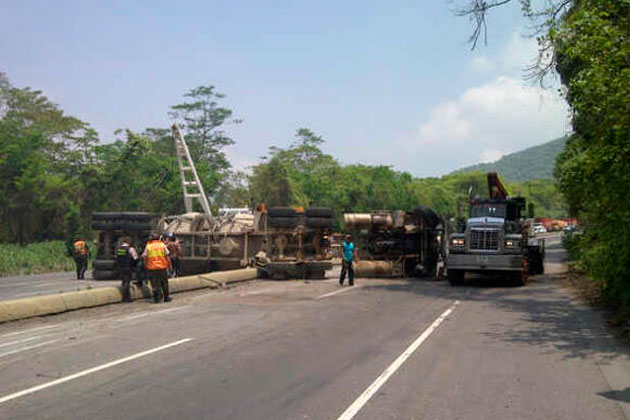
(91,370)
(25,348)
(10,343)
(47,327)
(391,369)
(336,292)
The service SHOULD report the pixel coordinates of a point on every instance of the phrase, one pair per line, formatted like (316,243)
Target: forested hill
(533,163)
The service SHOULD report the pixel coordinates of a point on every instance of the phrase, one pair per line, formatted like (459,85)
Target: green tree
(202,119)
(42,151)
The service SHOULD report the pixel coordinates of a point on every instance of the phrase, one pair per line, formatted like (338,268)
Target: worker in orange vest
(81,253)
(157,263)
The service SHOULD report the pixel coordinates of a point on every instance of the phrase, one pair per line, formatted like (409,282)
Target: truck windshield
(487,210)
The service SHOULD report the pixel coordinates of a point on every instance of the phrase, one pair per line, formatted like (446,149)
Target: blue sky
(384,82)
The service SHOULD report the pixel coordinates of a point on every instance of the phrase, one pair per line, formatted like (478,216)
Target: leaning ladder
(191,185)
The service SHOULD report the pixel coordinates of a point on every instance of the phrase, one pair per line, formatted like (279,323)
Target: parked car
(540,229)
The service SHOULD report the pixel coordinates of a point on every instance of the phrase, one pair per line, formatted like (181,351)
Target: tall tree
(202,119)
(41,154)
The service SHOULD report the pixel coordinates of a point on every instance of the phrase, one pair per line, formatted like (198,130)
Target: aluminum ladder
(191,185)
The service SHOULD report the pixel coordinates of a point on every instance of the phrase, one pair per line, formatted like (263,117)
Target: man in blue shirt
(349,255)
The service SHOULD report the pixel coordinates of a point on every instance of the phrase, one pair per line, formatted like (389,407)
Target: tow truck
(495,240)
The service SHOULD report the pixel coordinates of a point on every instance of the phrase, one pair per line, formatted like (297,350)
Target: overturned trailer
(294,241)
(395,243)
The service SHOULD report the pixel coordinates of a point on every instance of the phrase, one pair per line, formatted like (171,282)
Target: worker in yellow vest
(81,253)
(157,263)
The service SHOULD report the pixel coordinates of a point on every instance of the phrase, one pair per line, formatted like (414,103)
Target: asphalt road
(17,287)
(384,349)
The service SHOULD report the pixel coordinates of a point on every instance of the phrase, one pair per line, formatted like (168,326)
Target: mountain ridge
(536,162)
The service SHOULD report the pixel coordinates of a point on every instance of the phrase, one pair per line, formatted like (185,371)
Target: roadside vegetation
(41,257)
(586,43)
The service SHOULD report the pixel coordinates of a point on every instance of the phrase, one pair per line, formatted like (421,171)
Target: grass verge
(42,257)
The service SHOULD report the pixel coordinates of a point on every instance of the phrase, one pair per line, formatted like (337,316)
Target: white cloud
(491,155)
(516,54)
(519,52)
(481,64)
(486,121)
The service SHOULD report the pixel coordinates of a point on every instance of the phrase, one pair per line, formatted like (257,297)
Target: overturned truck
(295,241)
(395,243)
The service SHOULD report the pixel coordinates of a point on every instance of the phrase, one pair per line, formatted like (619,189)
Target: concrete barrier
(13,310)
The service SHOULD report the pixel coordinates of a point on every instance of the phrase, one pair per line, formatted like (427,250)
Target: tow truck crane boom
(495,187)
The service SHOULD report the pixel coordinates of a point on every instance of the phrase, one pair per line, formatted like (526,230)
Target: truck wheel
(319,222)
(104,274)
(519,278)
(106,265)
(281,212)
(456,277)
(98,225)
(132,225)
(324,212)
(286,222)
(128,215)
(410,268)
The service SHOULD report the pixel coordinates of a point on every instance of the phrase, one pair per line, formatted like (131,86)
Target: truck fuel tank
(366,221)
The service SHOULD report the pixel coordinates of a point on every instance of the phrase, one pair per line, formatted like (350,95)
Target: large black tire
(104,275)
(275,212)
(103,225)
(410,267)
(320,222)
(121,225)
(519,278)
(104,265)
(128,216)
(133,225)
(283,222)
(319,212)
(456,277)
(536,267)
(431,218)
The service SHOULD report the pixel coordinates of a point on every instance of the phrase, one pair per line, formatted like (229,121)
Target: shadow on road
(621,395)
(546,316)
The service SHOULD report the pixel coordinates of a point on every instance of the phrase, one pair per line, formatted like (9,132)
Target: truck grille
(484,240)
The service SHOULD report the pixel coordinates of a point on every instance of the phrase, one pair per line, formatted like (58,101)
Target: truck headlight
(511,243)
(457,242)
